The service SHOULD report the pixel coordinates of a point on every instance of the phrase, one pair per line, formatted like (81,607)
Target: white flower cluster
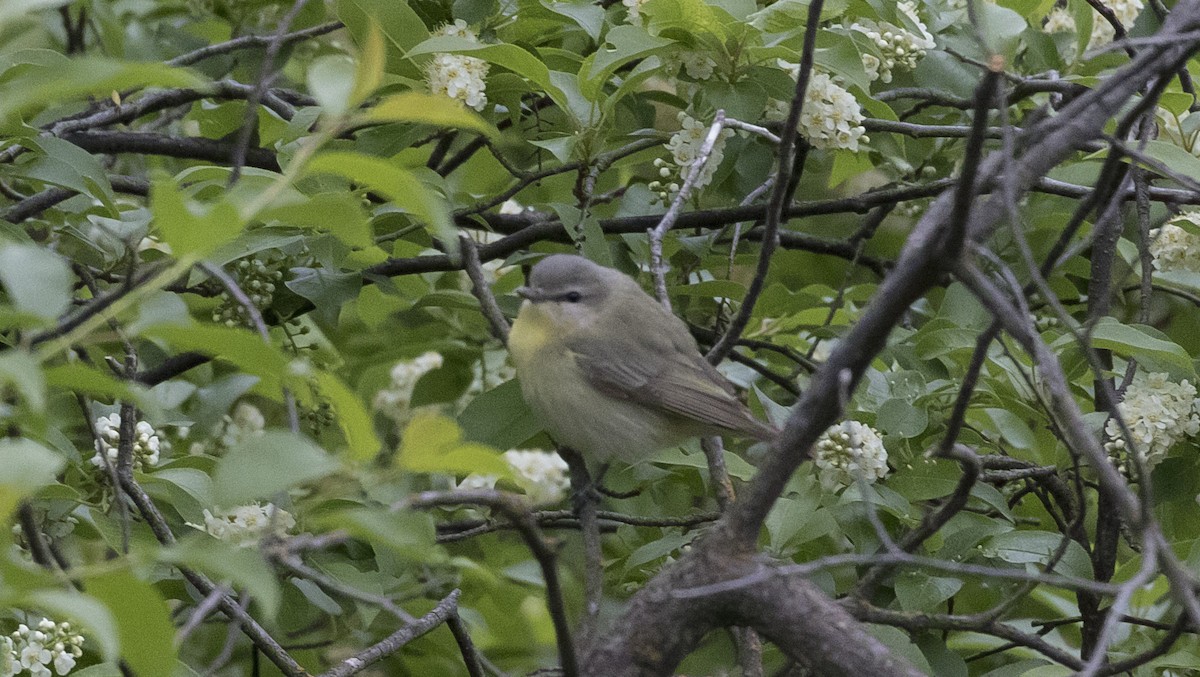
(542,475)
(1126,12)
(684,147)
(831,117)
(456,75)
(395,400)
(1060,21)
(1174,248)
(899,48)
(146,444)
(847,452)
(35,650)
(634,7)
(492,370)
(245,525)
(1159,413)
(245,422)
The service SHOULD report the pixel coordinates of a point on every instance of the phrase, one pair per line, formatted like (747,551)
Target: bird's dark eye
(573,297)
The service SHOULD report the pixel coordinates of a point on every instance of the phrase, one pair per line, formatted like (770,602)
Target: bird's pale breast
(573,411)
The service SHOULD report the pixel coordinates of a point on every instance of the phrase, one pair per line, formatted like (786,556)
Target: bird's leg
(586,499)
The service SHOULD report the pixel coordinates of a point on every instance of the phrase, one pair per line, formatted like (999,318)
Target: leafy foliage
(234,227)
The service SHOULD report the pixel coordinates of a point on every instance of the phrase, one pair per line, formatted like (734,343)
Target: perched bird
(610,372)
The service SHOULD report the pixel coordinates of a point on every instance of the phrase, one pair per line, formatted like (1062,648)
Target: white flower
(246,421)
(1158,412)
(490,371)
(684,147)
(458,76)
(847,452)
(1126,12)
(511,206)
(1059,20)
(8,658)
(394,401)
(634,7)
(542,474)
(898,47)
(245,525)
(35,650)
(64,662)
(831,117)
(146,443)
(458,29)
(1174,248)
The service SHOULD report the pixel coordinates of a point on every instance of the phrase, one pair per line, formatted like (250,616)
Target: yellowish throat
(611,373)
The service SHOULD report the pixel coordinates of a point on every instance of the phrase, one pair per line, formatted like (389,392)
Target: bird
(612,374)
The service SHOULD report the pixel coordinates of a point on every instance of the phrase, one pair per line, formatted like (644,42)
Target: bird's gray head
(564,278)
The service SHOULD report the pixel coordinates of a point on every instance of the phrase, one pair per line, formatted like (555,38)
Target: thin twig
(441,613)
(483,291)
(658,267)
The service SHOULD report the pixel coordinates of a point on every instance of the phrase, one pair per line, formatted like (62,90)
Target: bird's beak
(528,293)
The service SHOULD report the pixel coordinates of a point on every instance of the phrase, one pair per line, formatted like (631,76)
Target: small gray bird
(611,373)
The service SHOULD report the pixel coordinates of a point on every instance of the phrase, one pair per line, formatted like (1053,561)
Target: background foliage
(232,275)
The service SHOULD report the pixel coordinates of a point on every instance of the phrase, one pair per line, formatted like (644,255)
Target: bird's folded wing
(655,373)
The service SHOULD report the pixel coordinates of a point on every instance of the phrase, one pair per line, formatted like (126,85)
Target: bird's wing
(664,371)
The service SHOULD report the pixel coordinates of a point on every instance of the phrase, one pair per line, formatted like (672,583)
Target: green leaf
(142,620)
(14,9)
(1174,157)
(352,417)
(899,417)
(622,44)
(331,81)
(339,213)
(432,443)
(64,164)
(1012,427)
(1037,547)
(20,370)
(37,280)
(190,228)
(80,378)
(409,534)
(918,591)
(240,347)
(499,417)
(926,479)
(589,16)
(28,466)
(787,15)
(428,109)
(369,70)
(80,78)
(1137,341)
(328,289)
(242,567)
(396,184)
(689,18)
(401,27)
(723,289)
(260,467)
